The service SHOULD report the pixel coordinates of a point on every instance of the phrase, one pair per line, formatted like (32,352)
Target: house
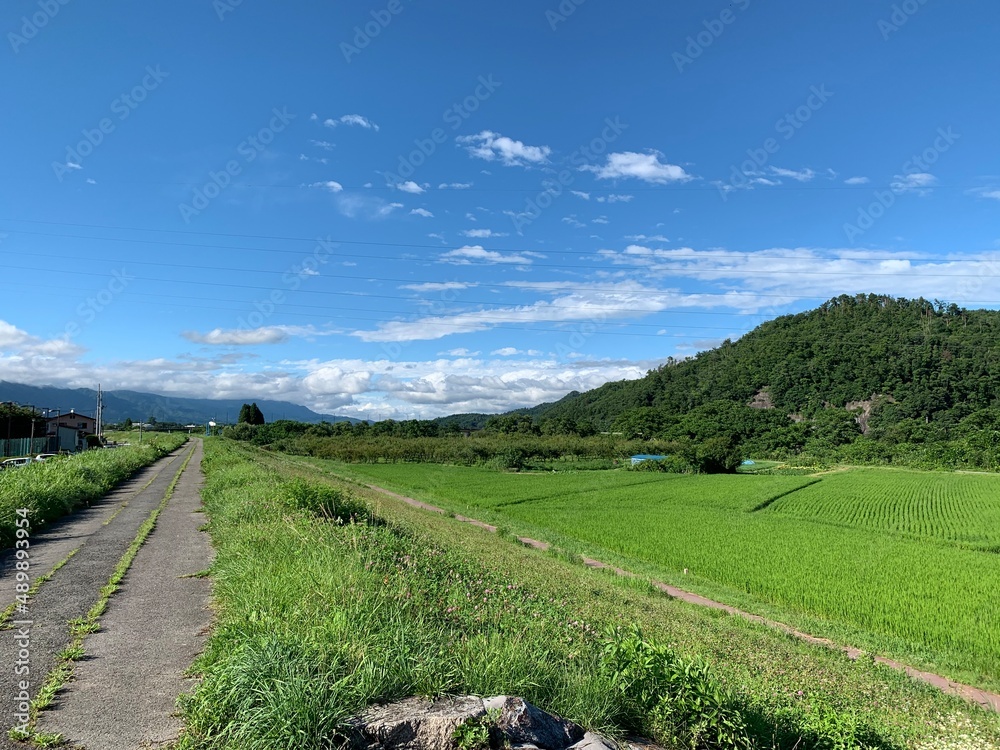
(69,431)
(645,457)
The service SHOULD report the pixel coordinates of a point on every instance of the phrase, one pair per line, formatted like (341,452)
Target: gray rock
(417,723)
(593,741)
(495,703)
(523,723)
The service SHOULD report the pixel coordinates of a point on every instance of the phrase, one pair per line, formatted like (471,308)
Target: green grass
(922,600)
(330,597)
(56,487)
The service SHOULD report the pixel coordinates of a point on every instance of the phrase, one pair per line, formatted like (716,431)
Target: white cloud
(325,145)
(510,351)
(992,193)
(490,146)
(581,194)
(91,181)
(462,352)
(409,187)
(355,205)
(469,253)
(856,181)
(918,182)
(645,238)
(422,212)
(358,120)
(454,186)
(617,301)
(573,221)
(645,167)
(802,175)
(72,165)
(332,185)
(614,198)
(252,336)
(599,220)
(438,286)
(483,233)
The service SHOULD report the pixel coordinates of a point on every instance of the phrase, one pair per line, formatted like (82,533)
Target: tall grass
(58,486)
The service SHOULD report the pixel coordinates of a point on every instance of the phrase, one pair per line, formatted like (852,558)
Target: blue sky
(407,209)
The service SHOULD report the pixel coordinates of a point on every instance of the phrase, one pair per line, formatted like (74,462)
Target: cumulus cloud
(646,167)
(493,146)
(410,187)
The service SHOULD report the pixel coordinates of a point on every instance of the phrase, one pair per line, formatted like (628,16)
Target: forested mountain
(927,361)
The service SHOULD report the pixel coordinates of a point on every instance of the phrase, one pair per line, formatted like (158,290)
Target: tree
(250,414)
(127,424)
(256,415)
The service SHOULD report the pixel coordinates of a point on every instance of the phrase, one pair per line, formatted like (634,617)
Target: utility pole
(100,422)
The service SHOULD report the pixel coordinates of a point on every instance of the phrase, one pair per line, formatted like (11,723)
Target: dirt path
(982,697)
(90,544)
(124,692)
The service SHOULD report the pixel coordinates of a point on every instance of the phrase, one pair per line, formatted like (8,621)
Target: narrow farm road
(124,691)
(984,698)
(90,544)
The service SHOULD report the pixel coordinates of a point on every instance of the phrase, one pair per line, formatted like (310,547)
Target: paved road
(124,690)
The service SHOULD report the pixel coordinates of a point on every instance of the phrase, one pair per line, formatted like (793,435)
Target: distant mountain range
(122,405)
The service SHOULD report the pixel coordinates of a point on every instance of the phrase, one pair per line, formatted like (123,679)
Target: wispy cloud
(466,255)
(483,233)
(356,120)
(802,175)
(856,181)
(422,212)
(918,182)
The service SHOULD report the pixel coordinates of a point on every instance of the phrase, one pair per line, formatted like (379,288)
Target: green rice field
(902,563)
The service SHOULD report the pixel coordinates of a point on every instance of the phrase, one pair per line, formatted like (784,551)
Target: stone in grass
(593,741)
(524,724)
(416,723)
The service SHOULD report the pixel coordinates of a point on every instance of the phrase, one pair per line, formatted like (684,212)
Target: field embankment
(58,486)
(331,597)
